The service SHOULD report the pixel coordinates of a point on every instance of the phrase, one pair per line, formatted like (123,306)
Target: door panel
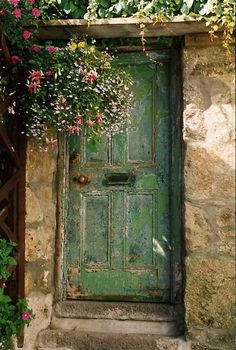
(118,222)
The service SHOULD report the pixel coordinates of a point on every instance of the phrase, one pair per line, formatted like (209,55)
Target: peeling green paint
(119,237)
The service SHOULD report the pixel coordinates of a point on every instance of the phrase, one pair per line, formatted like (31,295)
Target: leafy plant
(68,88)
(222,16)
(14,16)
(13,318)
(6,259)
(73,89)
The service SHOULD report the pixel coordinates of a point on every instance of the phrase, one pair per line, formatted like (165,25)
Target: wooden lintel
(202,39)
(119,28)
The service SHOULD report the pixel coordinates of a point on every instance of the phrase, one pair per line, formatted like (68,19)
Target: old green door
(118,223)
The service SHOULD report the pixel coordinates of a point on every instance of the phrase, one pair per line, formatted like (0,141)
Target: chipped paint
(119,232)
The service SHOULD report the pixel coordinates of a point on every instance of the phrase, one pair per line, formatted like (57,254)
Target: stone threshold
(115,326)
(118,311)
(74,340)
(118,318)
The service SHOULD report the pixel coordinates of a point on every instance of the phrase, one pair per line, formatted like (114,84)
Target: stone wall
(209,162)
(208,123)
(40,237)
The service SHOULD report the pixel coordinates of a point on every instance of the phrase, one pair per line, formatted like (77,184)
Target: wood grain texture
(119,28)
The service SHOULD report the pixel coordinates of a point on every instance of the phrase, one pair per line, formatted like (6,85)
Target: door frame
(175,201)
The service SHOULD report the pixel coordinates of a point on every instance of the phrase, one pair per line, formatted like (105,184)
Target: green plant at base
(13,317)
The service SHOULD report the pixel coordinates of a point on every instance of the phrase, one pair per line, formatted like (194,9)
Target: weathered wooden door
(119,222)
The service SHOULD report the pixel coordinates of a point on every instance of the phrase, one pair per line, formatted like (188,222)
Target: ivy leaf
(104,3)
(185,9)
(189,3)
(11,261)
(207,8)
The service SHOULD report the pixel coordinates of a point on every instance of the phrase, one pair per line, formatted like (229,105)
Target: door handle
(81,179)
(119,179)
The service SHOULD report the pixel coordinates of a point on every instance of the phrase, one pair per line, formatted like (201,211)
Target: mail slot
(119,179)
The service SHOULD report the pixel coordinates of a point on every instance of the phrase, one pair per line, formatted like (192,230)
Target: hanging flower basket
(76,88)
(72,88)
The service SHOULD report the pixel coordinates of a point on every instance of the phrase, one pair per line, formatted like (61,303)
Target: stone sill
(120,28)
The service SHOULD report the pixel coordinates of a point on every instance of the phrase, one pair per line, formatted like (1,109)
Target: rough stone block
(207,177)
(197,229)
(41,165)
(38,243)
(34,212)
(75,340)
(210,292)
(41,305)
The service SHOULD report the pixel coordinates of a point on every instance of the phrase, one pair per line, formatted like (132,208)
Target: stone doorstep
(115,326)
(117,311)
(74,340)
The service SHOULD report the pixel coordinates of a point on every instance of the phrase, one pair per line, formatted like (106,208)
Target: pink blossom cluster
(17,12)
(72,129)
(25,316)
(89,76)
(35,80)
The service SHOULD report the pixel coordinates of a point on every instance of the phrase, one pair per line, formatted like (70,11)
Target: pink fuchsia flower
(78,119)
(35,48)
(98,118)
(45,129)
(91,77)
(35,12)
(34,86)
(17,13)
(25,316)
(71,129)
(52,49)
(15,59)
(35,75)
(48,73)
(3,12)
(26,34)
(14,2)
(77,130)
(90,123)
(50,142)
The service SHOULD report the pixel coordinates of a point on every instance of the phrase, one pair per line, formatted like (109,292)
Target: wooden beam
(119,28)
(202,40)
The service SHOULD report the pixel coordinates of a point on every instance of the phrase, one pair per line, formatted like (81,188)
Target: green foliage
(222,17)
(50,9)
(13,317)
(12,26)
(6,259)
